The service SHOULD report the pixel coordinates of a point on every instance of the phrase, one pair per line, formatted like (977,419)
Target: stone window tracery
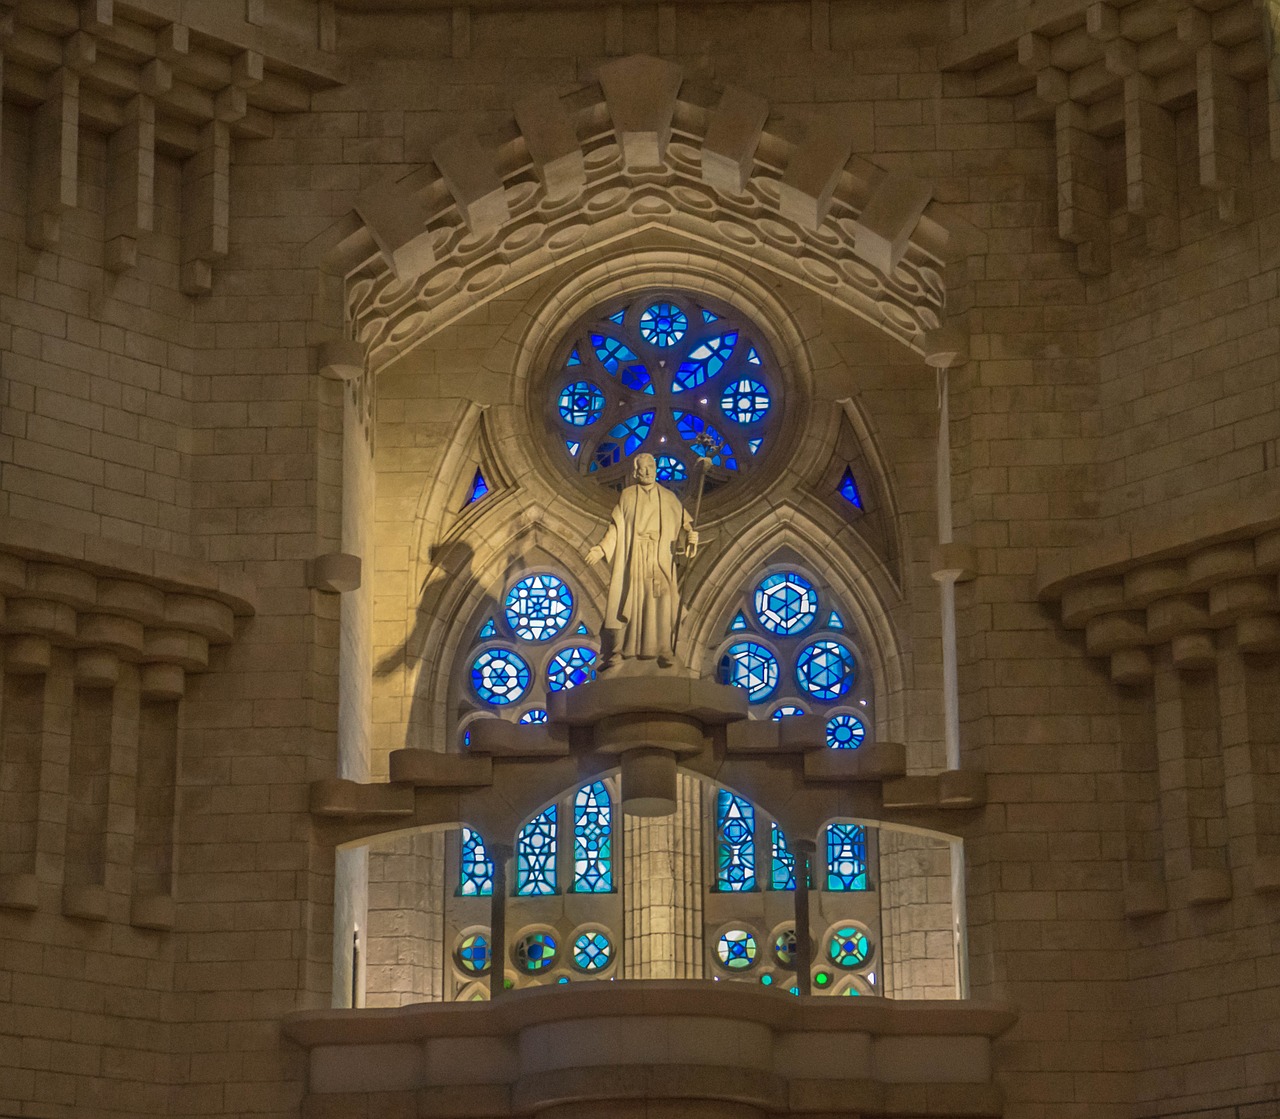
(656,372)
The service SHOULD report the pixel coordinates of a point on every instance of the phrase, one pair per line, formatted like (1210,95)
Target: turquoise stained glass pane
(479,487)
(632,432)
(752,357)
(784,863)
(786,603)
(536,856)
(739,623)
(538,607)
(612,352)
(845,731)
(592,951)
(709,316)
(534,715)
(848,947)
(573,447)
(571,667)
(536,952)
(592,840)
(736,949)
(785,711)
(487,630)
(574,359)
(736,843)
(847,858)
(663,324)
(753,445)
(749,665)
(849,489)
(746,401)
(826,669)
(476,868)
(834,621)
(500,676)
(473,953)
(582,629)
(704,361)
(617,316)
(581,403)
(671,469)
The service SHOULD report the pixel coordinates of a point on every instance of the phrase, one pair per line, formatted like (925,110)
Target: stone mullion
(1144,875)
(1253,762)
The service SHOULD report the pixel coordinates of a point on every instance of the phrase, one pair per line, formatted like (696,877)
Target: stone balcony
(644,1048)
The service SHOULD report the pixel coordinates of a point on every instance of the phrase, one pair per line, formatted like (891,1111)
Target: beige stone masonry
(733,135)
(471,175)
(552,139)
(641,95)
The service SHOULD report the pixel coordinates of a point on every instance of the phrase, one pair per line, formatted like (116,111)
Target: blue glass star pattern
(749,665)
(581,403)
(736,949)
(746,401)
(500,676)
(473,953)
(592,951)
(786,603)
(538,607)
(826,669)
(848,947)
(663,324)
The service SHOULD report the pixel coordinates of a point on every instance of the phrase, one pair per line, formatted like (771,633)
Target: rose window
(667,374)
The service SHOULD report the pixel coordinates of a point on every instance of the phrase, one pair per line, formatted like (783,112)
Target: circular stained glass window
(673,375)
(745,401)
(592,951)
(848,947)
(534,715)
(663,324)
(473,954)
(784,947)
(500,676)
(538,607)
(826,669)
(786,603)
(581,403)
(736,949)
(845,731)
(749,665)
(785,711)
(571,667)
(536,951)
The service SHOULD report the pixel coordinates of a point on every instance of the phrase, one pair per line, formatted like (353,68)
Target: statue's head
(644,469)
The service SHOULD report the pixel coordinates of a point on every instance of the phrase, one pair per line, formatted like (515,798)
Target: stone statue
(650,528)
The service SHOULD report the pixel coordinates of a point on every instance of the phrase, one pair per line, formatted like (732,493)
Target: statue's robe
(644,597)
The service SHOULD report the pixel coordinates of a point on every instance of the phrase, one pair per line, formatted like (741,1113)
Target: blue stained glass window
(784,864)
(749,665)
(848,947)
(849,489)
(487,630)
(479,487)
(473,953)
(636,377)
(617,316)
(581,403)
(582,629)
(592,840)
(785,711)
(736,842)
(671,469)
(574,359)
(534,715)
(736,949)
(592,951)
(826,669)
(709,316)
(845,732)
(746,401)
(475,877)
(574,447)
(691,426)
(500,676)
(663,324)
(611,352)
(536,855)
(834,621)
(632,432)
(571,667)
(536,951)
(753,357)
(753,445)
(847,857)
(704,361)
(606,455)
(786,603)
(538,607)
(739,623)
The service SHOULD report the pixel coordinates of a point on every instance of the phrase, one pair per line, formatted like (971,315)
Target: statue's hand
(595,555)
(692,544)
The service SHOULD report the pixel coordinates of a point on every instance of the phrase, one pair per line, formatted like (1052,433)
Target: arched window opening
(592,840)
(536,855)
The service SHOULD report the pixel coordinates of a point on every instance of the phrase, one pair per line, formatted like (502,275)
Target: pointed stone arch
(644,149)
